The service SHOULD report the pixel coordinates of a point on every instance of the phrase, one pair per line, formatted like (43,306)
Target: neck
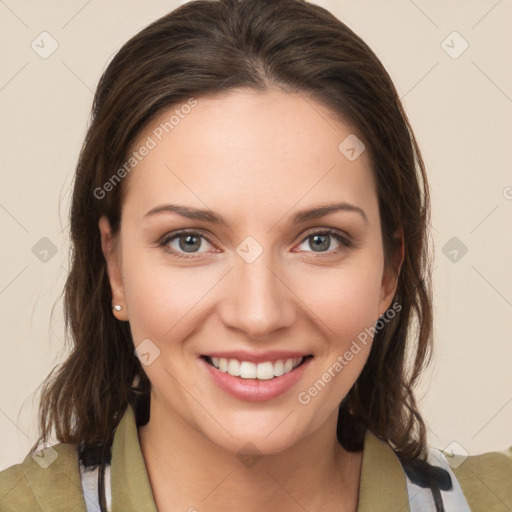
(187,471)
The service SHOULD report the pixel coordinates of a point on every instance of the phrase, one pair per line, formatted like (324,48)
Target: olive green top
(486,480)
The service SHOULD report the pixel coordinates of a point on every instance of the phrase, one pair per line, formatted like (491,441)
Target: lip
(255,390)
(258,357)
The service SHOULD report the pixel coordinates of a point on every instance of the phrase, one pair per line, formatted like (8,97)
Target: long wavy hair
(199,49)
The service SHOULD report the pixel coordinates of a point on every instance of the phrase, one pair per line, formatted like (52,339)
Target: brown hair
(202,48)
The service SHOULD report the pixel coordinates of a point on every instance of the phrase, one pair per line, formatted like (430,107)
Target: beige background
(460,109)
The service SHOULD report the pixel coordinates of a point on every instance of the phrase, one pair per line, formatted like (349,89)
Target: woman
(249,227)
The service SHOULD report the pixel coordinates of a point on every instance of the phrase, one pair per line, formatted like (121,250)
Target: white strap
(421,499)
(89,478)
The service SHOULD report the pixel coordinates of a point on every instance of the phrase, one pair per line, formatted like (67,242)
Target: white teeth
(278,368)
(247,370)
(234,367)
(263,371)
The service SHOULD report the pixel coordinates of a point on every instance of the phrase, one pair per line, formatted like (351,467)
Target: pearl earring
(117,308)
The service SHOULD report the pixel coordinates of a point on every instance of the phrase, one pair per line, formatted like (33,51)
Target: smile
(248,370)
(251,381)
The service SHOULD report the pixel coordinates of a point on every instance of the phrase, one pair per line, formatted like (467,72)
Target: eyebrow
(215,218)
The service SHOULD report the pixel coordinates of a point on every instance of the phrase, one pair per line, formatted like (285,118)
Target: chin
(252,443)
(264,433)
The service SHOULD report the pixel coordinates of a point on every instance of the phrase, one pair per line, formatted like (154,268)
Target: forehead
(245,150)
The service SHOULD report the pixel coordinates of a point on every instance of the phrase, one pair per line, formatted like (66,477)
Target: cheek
(347,311)
(344,301)
(163,300)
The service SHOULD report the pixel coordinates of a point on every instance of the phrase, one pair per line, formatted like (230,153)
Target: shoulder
(486,480)
(46,480)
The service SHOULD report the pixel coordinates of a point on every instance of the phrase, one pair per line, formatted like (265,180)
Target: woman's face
(263,285)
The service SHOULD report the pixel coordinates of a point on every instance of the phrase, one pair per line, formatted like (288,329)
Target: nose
(256,300)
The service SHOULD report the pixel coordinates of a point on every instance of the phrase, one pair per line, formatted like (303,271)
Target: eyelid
(327,231)
(173,235)
(344,238)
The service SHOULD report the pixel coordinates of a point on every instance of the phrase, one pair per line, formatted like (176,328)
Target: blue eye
(190,241)
(321,240)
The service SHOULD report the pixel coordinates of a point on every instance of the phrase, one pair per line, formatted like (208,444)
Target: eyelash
(344,240)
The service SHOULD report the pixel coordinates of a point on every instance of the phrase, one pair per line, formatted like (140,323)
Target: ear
(391,274)
(111,251)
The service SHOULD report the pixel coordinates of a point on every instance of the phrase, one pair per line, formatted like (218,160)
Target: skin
(256,159)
